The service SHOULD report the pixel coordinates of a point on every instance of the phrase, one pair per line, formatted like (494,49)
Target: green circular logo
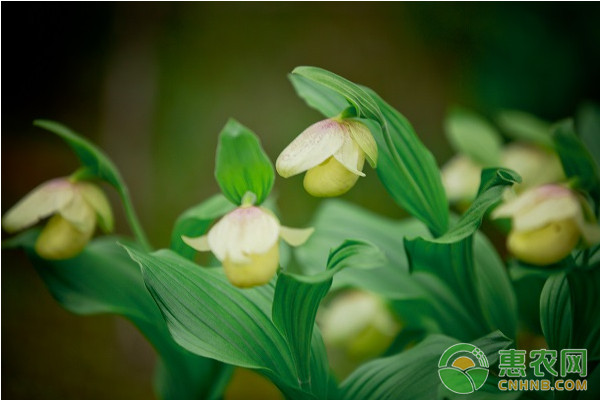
(463,368)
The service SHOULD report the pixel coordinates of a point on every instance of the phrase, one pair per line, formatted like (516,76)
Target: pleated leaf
(241,164)
(102,279)
(412,374)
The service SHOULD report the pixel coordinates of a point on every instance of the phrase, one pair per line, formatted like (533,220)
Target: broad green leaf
(427,304)
(337,221)
(195,222)
(210,317)
(405,166)
(328,102)
(241,164)
(493,183)
(587,126)
(555,312)
(412,374)
(576,159)
(472,135)
(104,280)
(295,305)
(584,286)
(97,165)
(520,125)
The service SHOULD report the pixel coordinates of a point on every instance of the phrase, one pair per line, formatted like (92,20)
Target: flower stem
(132,218)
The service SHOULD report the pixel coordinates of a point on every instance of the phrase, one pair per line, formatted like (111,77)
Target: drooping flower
(246,241)
(547,223)
(332,152)
(74,208)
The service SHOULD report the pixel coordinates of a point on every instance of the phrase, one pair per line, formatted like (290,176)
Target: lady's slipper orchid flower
(537,166)
(547,223)
(461,177)
(358,323)
(246,241)
(75,208)
(332,152)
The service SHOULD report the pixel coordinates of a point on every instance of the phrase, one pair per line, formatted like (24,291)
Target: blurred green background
(154,83)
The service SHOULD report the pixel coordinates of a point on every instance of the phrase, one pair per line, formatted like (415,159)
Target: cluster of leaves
(441,276)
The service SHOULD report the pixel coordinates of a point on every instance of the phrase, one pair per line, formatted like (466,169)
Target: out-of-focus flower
(461,177)
(246,241)
(547,223)
(359,324)
(332,152)
(74,207)
(536,165)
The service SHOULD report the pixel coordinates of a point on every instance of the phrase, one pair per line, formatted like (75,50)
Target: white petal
(529,199)
(243,232)
(351,156)
(313,146)
(361,134)
(96,198)
(41,202)
(545,212)
(295,236)
(78,212)
(198,243)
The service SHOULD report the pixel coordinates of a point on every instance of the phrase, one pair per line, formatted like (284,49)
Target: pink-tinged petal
(40,203)
(313,146)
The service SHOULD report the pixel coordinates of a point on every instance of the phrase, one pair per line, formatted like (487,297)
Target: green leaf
(520,125)
(407,169)
(328,102)
(427,304)
(493,183)
(412,374)
(555,312)
(102,279)
(212,318)
(472,135)
(99,166)
(584,286)
(242,165)
(195,222)
(295,305)
(587,126)
(576,159)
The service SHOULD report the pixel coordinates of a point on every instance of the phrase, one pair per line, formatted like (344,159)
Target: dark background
(154,83)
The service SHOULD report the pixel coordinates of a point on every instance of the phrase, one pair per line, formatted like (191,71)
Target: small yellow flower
(74,208)
(547,223)
(246,241)
(332,152)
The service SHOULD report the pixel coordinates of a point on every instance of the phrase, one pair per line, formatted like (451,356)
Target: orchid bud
(547,223)
(74,208)
(332,152)
(246,241)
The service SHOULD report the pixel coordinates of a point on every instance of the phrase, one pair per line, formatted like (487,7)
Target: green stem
(132,218)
